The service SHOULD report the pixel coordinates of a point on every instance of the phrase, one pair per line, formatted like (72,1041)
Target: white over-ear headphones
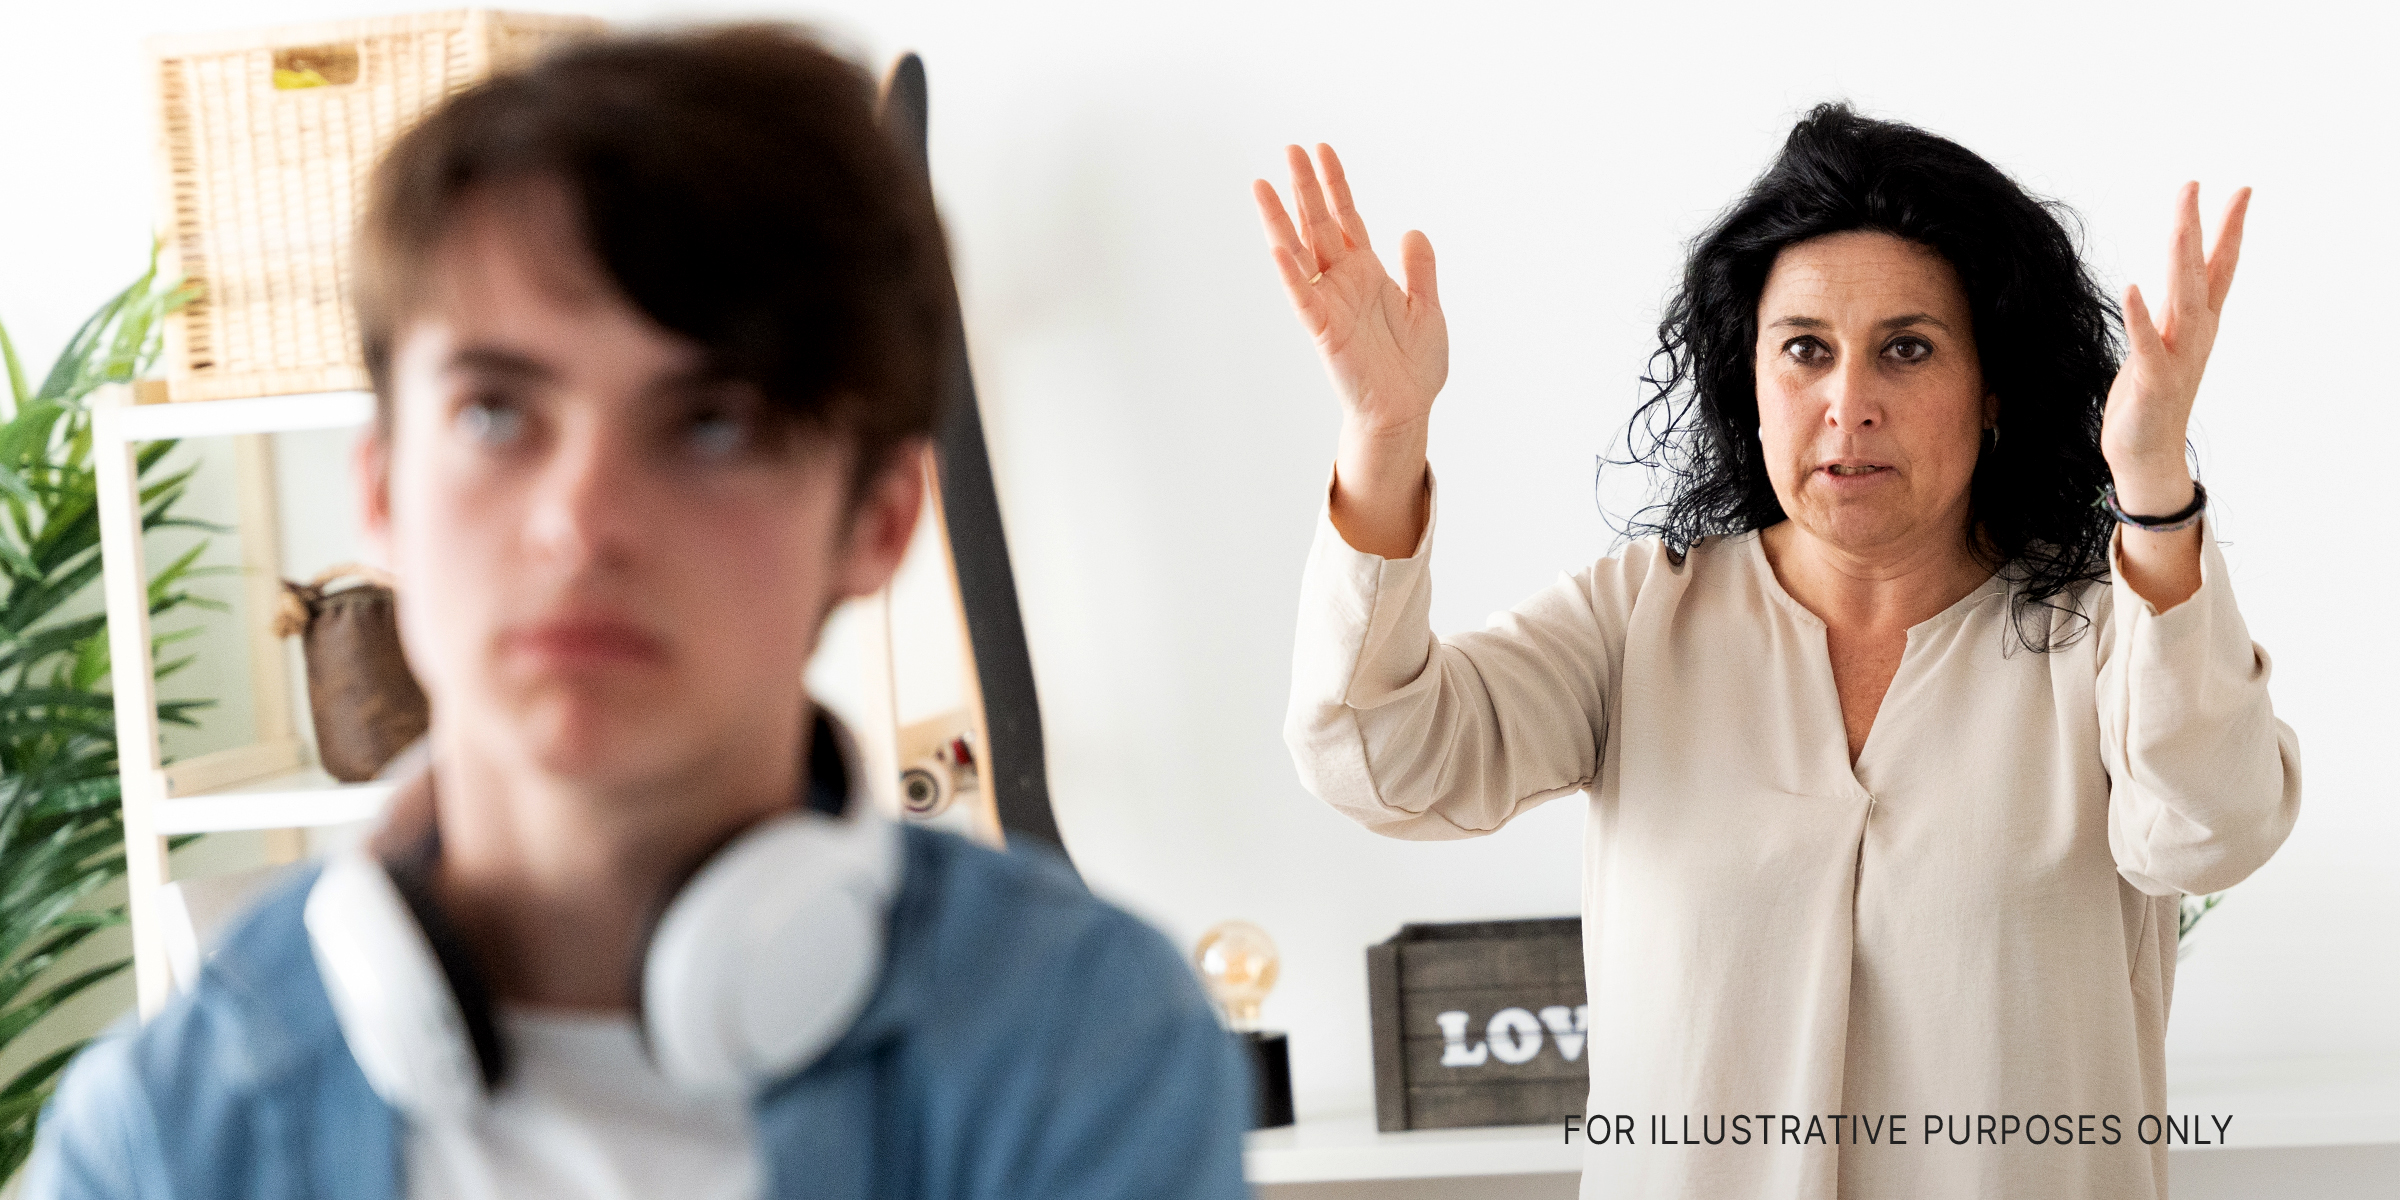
(758,964)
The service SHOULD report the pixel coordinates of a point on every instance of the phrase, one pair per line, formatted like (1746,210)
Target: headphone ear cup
(770,953)
(390,996)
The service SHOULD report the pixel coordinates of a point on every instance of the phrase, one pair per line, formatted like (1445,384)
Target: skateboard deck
(990,757)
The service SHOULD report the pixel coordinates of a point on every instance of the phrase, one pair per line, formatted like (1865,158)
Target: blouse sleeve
(2204,781)
(1421,737)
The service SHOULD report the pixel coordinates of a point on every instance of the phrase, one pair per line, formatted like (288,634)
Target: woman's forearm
(1378,501)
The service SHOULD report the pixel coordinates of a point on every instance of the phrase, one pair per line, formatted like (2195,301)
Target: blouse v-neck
(1914,637)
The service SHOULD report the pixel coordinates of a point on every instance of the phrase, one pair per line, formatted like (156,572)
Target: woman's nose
(1851,402)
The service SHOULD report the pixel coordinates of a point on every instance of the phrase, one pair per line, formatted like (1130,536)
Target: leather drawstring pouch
(365,702)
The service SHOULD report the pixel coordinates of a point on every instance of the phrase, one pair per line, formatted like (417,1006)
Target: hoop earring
(1992,440)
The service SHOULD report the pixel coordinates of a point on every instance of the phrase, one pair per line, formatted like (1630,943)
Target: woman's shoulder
(1650,569)
(1713,555)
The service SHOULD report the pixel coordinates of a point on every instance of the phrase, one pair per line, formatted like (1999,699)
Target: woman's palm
(1386,347)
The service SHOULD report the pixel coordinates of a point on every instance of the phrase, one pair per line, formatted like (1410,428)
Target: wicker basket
(266,139)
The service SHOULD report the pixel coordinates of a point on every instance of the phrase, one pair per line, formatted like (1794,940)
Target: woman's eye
(1909,349)
(492,422)
(1806,350)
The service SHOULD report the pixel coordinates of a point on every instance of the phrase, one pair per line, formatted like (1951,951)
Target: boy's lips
(594,641)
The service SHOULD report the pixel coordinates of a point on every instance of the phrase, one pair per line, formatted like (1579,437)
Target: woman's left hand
(2150,404)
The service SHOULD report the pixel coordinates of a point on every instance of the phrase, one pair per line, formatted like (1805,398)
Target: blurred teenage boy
(655,328)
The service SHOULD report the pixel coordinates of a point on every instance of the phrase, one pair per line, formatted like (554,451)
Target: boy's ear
(371,473)
(884,518)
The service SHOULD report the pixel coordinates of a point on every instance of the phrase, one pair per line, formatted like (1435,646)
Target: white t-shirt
(584,1114)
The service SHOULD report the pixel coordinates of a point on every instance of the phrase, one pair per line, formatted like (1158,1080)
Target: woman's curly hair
(2047,335)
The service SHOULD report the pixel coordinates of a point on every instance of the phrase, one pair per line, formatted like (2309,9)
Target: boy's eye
(718,435)
(492,421)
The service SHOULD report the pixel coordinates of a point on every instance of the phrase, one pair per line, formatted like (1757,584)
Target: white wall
(1161,429)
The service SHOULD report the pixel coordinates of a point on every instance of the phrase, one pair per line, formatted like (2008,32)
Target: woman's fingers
(1305,301)
(1283,246)
(2141,333)
(1271,214)
(1416,269)
(2227,253)
(2187,270)
(1316,222)
(1337,187)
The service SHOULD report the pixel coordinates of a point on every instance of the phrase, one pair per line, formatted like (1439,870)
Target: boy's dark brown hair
(735,185)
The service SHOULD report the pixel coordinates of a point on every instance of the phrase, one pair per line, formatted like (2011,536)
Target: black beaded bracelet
(2185,519)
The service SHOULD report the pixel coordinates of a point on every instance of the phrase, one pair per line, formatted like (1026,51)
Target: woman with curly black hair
(1916,702)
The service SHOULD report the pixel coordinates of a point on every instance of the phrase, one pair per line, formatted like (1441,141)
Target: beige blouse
(1977,920)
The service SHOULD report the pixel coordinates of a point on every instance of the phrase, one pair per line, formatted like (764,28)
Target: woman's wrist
(2152,489)
(2163,566)
(1378,500)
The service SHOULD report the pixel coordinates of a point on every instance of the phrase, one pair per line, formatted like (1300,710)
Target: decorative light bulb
(1238,962)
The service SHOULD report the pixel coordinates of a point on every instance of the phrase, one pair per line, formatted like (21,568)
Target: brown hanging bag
(365,702)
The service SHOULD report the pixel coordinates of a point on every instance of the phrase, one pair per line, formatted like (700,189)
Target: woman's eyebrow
(1899,322)
(1903,322)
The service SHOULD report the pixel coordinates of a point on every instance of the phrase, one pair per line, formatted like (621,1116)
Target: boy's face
(612,567)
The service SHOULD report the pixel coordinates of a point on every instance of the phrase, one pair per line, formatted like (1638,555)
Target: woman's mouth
(1845,469)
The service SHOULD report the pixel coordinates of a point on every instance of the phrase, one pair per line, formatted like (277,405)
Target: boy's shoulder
(1020,924)
(176,1093)
(1046,1041)
(256,1014)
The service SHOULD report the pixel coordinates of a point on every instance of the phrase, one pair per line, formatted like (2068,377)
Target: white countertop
(2293,1102)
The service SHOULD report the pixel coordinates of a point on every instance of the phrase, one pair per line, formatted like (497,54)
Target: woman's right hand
(1386,348)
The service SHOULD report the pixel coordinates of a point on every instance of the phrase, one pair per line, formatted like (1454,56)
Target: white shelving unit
(271,784)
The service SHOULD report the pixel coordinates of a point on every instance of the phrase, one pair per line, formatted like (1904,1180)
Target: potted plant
(62,837)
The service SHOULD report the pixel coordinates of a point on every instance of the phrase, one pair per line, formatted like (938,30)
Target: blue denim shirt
(1026,1040)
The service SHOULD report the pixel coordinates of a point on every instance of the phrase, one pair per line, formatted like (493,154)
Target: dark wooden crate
(1479,968)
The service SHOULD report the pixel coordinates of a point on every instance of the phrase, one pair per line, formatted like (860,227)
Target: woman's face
(1871,402)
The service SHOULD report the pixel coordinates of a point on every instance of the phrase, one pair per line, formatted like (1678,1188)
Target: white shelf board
(2350,1100)
(1348,1147)
(219,418)
(291,800)
(2275,1103)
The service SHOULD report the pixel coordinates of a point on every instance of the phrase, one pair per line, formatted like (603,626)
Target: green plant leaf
(77,797)
(16,560)
(16,400)
(23,649)
(29,1013)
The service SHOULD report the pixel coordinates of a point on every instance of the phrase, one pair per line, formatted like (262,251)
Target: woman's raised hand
(2150,404)
(1385,346)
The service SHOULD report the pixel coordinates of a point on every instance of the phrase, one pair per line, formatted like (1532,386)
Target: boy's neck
(555,883)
